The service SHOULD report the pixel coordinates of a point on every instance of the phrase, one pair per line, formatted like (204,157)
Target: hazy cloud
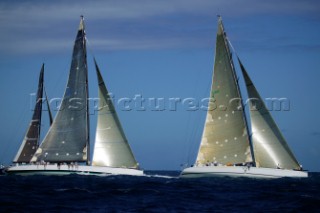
(122,9)
(38,26)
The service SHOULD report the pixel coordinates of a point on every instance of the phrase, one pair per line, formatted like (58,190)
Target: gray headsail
(225,135)
(68,137)
(31,140)
(111,146)
(270,148)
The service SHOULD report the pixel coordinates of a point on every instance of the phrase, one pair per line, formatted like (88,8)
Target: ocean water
(157,192)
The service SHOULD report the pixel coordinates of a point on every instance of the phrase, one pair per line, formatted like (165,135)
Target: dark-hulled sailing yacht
(66,146)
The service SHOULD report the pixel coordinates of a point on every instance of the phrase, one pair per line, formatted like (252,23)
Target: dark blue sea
(157,192)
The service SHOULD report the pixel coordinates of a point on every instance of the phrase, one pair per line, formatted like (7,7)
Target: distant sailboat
(67,144)
(227,148)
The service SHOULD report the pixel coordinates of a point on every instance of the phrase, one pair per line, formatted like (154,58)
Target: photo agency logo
(140,103)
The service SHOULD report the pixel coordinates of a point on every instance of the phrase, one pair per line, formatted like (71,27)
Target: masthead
(81,25)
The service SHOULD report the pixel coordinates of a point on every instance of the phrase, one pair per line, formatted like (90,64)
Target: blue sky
(163,49)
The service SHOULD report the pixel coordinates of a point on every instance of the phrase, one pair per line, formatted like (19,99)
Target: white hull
(53,169)
(241,171)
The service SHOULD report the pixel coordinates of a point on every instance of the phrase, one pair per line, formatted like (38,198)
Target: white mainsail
(225,136)
(111,146)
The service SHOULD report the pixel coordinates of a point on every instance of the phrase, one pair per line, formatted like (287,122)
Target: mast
(239,91)
(87,89)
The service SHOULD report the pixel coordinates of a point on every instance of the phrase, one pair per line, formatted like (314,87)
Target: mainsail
(31,140)
(225,135)
(111,146)
(68,137)
(270,148)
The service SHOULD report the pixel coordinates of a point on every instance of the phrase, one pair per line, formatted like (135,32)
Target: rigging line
(198,126)
(58,84)
(189,140)
(188,137)
(233,50)
(89,47)
(194,137)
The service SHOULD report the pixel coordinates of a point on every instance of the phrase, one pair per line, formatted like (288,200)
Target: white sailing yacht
(227,147)
(65,148)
